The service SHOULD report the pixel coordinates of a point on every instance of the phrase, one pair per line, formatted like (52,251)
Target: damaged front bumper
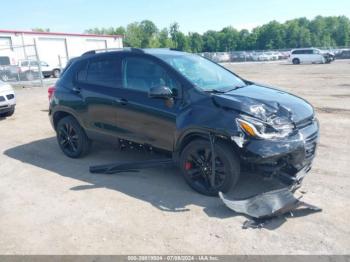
(288,159)
(268,205)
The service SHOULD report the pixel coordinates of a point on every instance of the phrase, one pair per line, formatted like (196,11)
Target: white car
(308,56)
(7,100)
(260,56)
(272,55)
(30,69)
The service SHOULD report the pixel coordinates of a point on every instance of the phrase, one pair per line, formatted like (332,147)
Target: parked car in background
(28,70)
(7,100)
(7,71)
(344,54)
(310,56)
(283,55)
(49,70)
(272,56)
(260,56)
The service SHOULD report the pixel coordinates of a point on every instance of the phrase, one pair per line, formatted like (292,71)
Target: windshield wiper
(222,91)
(235,88)
(215,91)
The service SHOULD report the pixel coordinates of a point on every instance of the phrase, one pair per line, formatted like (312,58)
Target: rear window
(302,52)
(104,72)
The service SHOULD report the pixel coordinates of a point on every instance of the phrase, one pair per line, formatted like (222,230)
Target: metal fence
(22,63)
(267,55)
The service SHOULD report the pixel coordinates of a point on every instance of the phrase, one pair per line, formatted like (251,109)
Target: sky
(74,16)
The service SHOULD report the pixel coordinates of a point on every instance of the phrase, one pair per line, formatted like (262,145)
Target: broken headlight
(272,128)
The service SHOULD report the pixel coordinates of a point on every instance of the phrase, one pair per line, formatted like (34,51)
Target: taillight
(51,91)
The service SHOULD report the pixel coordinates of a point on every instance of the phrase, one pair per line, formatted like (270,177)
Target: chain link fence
(21,65)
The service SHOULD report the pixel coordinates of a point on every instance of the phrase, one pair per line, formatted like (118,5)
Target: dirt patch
(332,110)
(341,96)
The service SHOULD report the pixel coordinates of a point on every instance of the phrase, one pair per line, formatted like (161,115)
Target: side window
(142,74)
(82,72)
(309,51)
(316,52)
(24,63)
(74,71)
(104,72)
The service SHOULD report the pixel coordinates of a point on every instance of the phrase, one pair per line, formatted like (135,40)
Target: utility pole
(39,63)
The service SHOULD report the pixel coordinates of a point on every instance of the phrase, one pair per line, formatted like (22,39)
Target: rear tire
(196,163)
(71,138)
(4,77)
(56,73)
(296,61)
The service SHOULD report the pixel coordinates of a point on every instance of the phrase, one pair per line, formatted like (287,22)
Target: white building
(53,48)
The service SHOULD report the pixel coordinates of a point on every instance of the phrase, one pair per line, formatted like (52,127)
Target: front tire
(71,138)
(8,114)
(196,167)
(296,61)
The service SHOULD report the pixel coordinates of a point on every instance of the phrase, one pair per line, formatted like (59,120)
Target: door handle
(121,101)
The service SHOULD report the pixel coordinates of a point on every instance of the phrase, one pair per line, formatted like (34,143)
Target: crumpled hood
(262,102)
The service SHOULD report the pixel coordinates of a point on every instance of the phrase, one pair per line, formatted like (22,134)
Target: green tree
(181,42)
(210,41)
(133,35)
(120,31)
(148,31)
(195,42)
(271,36)
(37,29)
(243,39)
(164,40)
(229,38)
(300,32)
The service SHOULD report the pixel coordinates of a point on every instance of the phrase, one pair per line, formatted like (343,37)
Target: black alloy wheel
(71,138)
(196,164)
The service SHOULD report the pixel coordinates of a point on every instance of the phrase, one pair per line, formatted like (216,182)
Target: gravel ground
(50,204)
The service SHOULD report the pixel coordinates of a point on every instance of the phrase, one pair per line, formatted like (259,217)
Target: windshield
(203,73)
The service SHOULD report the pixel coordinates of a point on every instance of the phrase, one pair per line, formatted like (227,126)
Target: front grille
(310,145)
(305,122)
(10,96)
(2,98)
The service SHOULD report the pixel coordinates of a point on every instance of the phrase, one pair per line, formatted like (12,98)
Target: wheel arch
(191,135)
(59,114)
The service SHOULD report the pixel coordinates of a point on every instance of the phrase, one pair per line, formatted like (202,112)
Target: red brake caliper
(188,165)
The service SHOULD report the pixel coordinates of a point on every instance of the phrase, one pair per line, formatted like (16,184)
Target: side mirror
(162,92)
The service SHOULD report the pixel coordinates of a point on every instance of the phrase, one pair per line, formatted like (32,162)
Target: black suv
(186,105)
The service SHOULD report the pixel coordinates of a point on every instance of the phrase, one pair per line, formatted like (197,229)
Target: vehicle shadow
(164,188)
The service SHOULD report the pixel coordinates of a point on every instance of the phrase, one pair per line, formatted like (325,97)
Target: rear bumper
(289,159)
(47,73)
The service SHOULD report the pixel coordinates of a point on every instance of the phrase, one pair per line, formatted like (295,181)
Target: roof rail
(97,51)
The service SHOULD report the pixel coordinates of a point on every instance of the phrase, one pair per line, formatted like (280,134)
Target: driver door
(143,119)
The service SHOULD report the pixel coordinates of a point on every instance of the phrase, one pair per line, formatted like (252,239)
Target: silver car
(7,100)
